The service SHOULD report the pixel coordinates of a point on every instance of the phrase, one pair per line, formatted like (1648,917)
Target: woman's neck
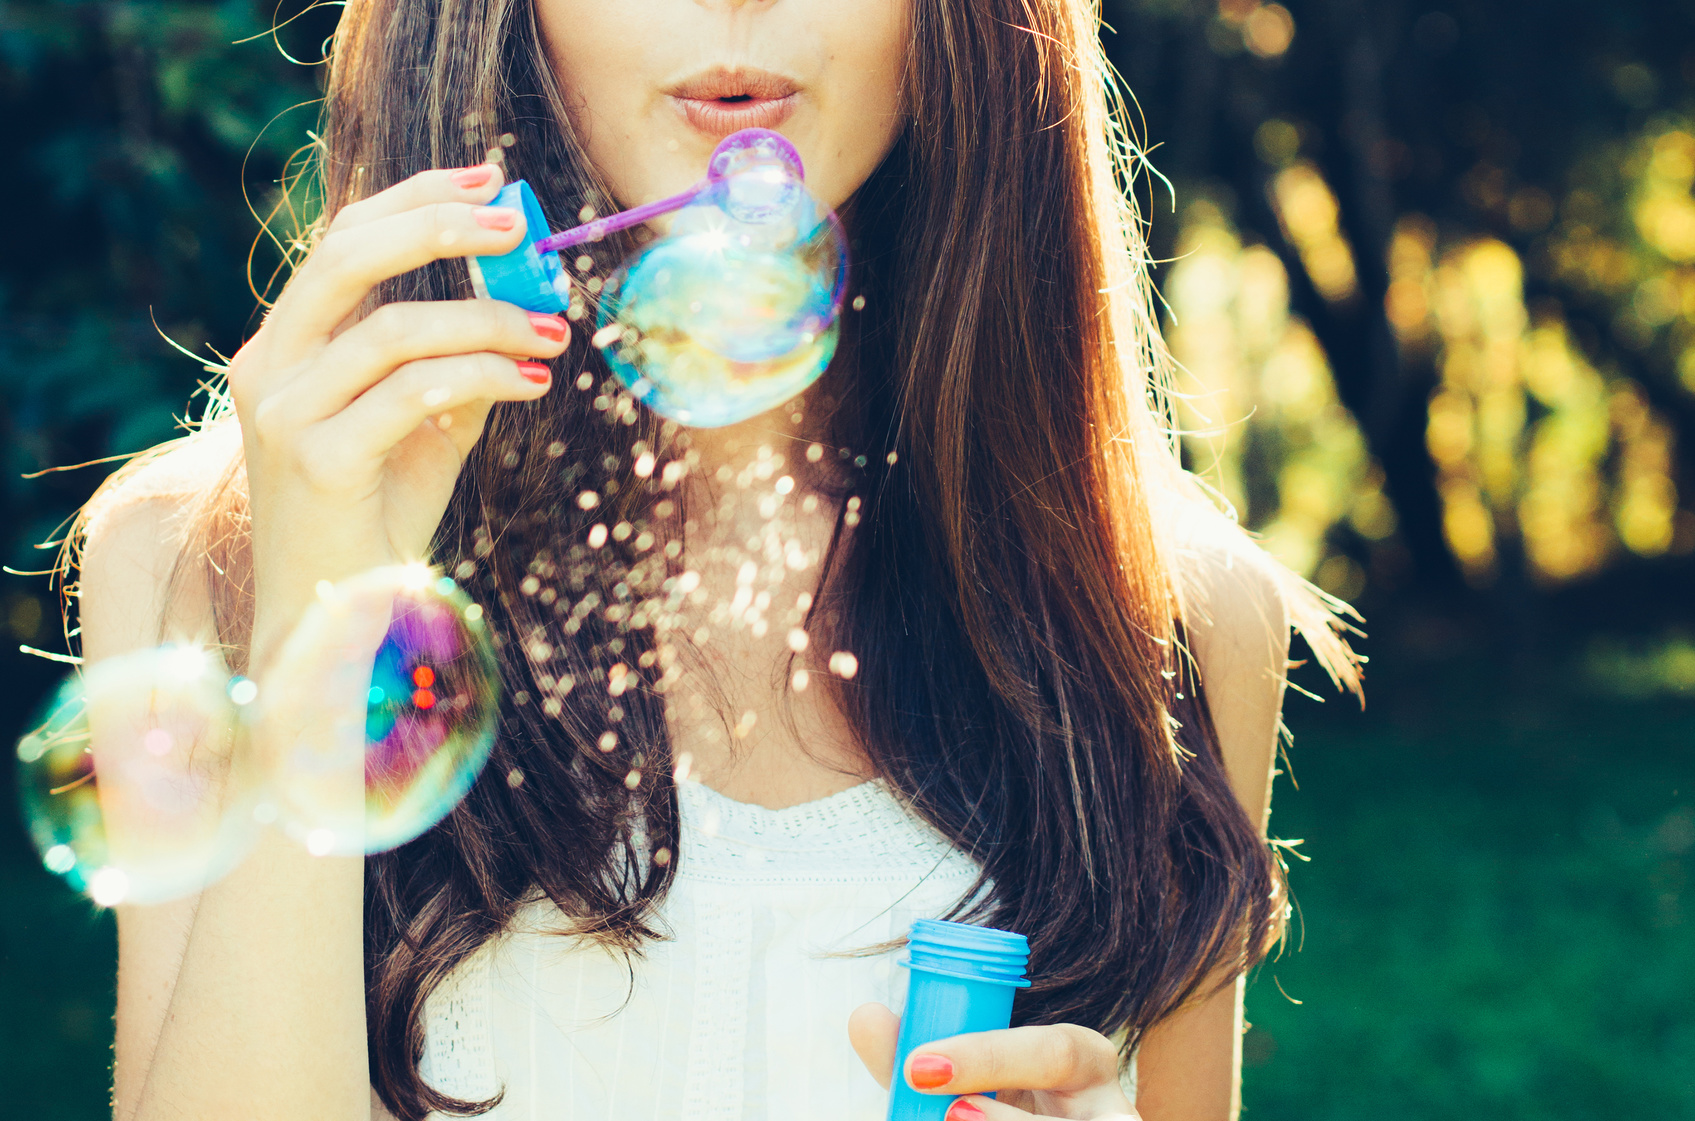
(755,710)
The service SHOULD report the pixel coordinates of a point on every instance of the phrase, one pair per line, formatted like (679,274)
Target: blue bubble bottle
(530,275)
(962,979)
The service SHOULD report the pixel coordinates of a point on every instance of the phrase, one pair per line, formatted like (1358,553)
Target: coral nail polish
(495,217)
(468,177)
(548,326)
(963,1110)
(931,1071)
(536,372)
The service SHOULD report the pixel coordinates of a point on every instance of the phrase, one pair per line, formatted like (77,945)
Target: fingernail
(495,217)
(931,1071)
(963,1110)
(536,372)
(548,326)
(468,177)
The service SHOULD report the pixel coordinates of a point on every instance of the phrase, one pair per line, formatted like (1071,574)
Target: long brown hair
(1007,577)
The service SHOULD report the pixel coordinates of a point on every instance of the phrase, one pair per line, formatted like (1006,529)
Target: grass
(1495,922)
(58,965)
(1496,919)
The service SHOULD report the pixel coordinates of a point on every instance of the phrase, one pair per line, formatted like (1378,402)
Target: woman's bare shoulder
(1234,594)
(1236,622)
(131,583)
(379,1112)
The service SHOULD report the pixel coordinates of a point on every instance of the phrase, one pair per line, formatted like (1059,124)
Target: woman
(963,687)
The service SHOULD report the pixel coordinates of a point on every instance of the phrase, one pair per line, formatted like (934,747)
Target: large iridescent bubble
(132,786)
(381,711)
(736,309)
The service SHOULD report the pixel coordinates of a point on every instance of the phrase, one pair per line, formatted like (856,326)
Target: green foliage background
(1496,918)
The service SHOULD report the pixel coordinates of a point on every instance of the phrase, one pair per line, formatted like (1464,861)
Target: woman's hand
(1052,1071)
(355,429)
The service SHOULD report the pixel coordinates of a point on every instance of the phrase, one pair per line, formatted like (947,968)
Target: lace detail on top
(714,1087)
(741,1016)
(459,1055)
(861,835)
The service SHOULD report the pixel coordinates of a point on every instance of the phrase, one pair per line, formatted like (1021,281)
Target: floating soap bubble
(736,309)
(381,707)
(129,779)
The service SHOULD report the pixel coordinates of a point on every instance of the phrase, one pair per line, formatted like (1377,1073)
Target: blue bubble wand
(735,311)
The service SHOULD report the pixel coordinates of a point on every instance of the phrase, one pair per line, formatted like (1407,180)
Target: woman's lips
(723,100)
(722,116)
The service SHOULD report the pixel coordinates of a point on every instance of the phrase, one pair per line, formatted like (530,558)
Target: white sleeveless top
(737,1019)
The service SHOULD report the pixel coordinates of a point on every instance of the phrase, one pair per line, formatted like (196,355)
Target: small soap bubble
(129,779)
(843,664)
(381,709)
(735,311)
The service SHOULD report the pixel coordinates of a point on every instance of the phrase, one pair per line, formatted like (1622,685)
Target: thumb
(874,1031)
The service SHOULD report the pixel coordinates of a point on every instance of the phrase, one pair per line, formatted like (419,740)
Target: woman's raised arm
(248,1001)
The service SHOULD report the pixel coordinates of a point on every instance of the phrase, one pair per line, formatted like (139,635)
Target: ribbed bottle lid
(976,953)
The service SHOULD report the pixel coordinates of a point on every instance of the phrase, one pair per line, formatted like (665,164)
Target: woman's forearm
(1189,1065)
(267,1015)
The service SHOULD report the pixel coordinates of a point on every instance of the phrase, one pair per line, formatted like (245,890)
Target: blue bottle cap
(973,953)
(533,280)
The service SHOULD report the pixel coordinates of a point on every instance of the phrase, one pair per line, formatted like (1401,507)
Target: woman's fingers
(976,1107)
(347,263)
(874,1032)
(1063,1058)
(396,334)
(363,432)
(476,184)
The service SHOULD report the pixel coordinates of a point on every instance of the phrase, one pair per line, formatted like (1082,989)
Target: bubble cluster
(381,709)
(735,310)
(130,784)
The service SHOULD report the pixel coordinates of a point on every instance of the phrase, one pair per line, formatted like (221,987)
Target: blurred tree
(1483,216)
(135,132)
